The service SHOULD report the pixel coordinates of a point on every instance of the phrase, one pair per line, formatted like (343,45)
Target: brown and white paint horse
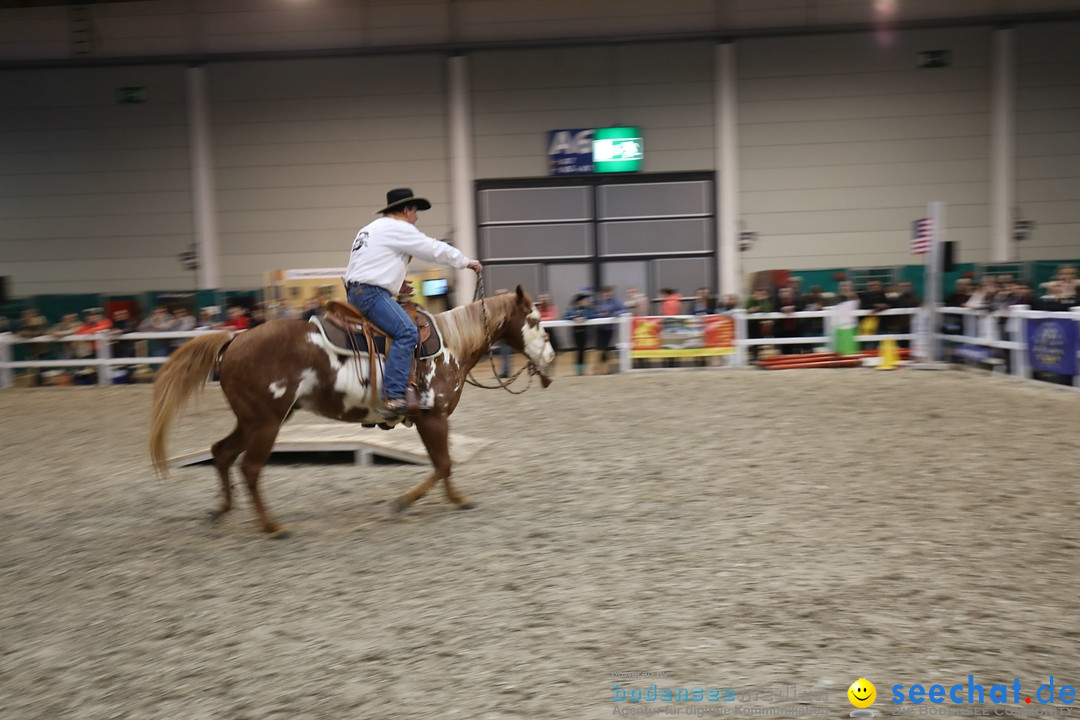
(271,370)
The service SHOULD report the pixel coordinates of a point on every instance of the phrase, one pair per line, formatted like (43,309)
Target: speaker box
(948,256)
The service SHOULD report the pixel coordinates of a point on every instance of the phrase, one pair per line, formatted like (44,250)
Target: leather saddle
(349,331)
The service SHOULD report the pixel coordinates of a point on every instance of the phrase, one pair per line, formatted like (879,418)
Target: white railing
(102,359)
(980,340)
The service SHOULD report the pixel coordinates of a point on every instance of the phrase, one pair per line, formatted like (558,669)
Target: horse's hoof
(398,506)
(466,506)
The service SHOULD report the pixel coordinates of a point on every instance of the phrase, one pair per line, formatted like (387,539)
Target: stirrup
(393,408)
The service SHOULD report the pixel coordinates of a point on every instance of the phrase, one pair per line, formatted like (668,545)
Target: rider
(377,265)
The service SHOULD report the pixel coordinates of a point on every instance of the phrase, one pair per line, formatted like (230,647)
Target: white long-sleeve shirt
(381,251)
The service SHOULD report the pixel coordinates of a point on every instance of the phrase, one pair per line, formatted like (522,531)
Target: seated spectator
(729,305)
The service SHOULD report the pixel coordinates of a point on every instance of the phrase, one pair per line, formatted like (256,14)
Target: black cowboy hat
(400,197)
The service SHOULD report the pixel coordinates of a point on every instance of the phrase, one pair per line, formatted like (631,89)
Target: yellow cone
(889,355)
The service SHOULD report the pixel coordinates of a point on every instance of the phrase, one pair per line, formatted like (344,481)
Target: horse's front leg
(435,432)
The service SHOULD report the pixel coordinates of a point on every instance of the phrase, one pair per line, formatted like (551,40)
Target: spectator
(207,319)
(638,303)
(672,302)
(238,319)
(160,320)
(704,303)
(503,349)
(579,312)
(122,323)
(758,302)
(606,307)
(788,327)
(904,298)
(814,301)
(68,324)
(183,321)
(258,316)
(729,305)
(313,307)
(548,313)
(95,323)
(34,325)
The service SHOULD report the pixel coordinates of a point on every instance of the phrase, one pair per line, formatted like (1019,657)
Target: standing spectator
(549,312)
(638,303)
(788,327)
(159,320)
(237,319)
(502,348)
(704,303)
(729,305)
(34,325)
(183,321)
(579,312)
(122,323)
(758,302)
(207,319)
(905,298)
(95,323)
(68,324)
(672,302)
(606,307)
(258,316)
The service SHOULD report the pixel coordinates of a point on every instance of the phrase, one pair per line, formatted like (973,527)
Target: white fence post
(626,342)
(741,334)
(1016,334)
(6,376)
(104,370)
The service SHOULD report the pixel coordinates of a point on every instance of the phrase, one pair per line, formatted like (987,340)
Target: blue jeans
(384,311)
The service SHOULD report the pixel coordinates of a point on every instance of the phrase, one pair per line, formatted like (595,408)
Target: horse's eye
(533,322)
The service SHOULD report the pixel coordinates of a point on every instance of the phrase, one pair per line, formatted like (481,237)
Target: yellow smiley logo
(862,693)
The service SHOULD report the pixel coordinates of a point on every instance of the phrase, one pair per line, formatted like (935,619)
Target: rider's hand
(475,266)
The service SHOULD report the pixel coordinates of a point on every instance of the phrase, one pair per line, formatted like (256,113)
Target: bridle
(504,383)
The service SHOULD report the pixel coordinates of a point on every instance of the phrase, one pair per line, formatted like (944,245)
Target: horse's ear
(521,297)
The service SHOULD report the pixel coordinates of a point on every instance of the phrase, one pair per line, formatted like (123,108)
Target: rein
(504,383)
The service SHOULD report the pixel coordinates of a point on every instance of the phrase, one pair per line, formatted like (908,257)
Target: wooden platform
(402,444)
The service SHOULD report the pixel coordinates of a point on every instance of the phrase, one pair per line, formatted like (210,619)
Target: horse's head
(523,333)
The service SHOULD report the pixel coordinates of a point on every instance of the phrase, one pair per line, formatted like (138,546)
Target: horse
(271,370)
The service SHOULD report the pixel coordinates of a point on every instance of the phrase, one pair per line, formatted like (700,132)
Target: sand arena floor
(726,528)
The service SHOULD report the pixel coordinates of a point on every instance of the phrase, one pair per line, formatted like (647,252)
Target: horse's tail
(186,371)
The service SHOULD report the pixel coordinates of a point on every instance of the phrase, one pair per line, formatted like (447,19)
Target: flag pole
(932,288)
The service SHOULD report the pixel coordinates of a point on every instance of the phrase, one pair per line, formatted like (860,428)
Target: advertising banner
(682,336)
(1052,344)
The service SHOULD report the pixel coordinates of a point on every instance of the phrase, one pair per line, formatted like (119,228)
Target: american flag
(922,233)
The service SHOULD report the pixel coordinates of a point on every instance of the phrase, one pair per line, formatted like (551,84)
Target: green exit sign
(132,95)
(618,149)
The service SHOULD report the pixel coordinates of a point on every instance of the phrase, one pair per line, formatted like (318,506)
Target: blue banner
(1052,344)
(570,152)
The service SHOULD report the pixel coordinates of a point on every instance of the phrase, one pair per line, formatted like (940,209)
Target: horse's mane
(463,327)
